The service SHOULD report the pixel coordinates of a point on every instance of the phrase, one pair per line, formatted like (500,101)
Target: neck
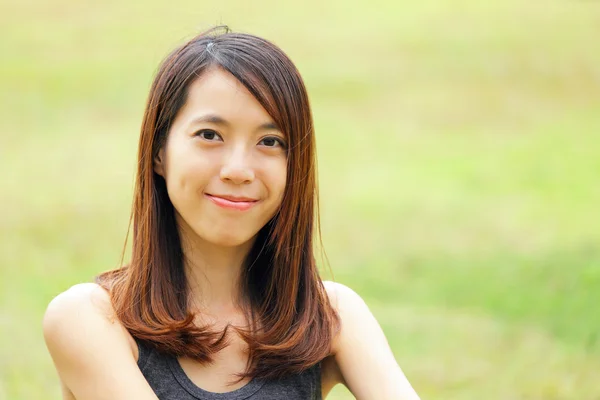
(213,274)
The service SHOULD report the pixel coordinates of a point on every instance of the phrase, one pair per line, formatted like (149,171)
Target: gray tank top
(170,382)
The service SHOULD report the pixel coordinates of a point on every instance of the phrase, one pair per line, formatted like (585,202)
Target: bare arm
(90,350)
(364,358)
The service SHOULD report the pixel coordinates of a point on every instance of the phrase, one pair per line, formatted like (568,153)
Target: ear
(159,165)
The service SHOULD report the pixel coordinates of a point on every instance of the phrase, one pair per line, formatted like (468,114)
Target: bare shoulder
(346,301)
(362,355)
(354,313)
(90,348)
(351,309)
(336,290)
(90,296)
(76,310)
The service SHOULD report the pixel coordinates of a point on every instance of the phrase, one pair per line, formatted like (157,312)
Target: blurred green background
(459,157)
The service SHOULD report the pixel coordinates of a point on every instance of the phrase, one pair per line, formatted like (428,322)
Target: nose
(237,168)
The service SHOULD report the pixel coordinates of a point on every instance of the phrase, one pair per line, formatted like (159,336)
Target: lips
(232,202)
(233,198)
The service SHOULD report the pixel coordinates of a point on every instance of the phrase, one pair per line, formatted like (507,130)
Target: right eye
(208,135)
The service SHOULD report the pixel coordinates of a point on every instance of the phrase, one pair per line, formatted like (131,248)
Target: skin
(244,156)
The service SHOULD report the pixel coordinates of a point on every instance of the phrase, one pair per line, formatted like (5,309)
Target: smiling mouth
(231,202)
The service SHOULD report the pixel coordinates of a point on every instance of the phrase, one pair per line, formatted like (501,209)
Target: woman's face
(224,162)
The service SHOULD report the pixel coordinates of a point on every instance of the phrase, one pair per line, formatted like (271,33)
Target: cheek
(187,174)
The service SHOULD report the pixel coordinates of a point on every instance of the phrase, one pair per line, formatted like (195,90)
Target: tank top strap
(143,354)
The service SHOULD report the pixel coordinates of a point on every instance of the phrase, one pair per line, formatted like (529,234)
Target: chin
(229,239)
(229,242)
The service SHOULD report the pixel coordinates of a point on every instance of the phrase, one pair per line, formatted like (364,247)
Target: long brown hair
(292,320)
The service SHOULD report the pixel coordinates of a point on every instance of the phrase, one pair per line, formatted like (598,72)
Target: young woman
(222,298)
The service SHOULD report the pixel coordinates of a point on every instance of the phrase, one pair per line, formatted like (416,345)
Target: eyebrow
(218,120)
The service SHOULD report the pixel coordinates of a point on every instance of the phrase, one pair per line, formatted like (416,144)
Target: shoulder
(90,348)
(361,352)
(79,295)
(349,305)
(77,310)
(341,295)
(75,305)
(355,316)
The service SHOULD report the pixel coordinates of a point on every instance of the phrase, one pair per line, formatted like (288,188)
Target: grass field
(459,163)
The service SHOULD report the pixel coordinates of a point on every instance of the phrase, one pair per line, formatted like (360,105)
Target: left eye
(272,142)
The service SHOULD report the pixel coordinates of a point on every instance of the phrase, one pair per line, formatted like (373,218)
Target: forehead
(218,92)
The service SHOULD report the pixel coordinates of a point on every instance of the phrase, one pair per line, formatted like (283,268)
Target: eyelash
(199,133)
(278,140)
